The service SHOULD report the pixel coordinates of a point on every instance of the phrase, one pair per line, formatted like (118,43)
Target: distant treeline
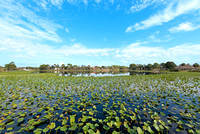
(167,65)
(82,67)
(162,66)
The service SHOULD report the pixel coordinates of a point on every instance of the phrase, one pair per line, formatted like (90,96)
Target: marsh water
(40,103)
(100,74)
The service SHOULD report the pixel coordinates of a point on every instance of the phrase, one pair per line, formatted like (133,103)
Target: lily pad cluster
(46,103)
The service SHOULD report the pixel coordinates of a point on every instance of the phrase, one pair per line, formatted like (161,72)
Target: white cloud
(61,63)
(57,3)
(139,53)
(24,38)
(173,10)
(78,49)
(16,21)
(23,34)
(154,38)
(29,49)
(47,4)
(140,5)
(134,53)
(187,26)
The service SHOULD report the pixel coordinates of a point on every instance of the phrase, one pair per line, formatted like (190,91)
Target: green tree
(10,66)
(195,65)
(123,67)
(44,67)
(149,66)
(103,67)
(52,67)
(88,67)
(69,66)
(170,65)
(132,66)
(182,64)
(162,65)
(156,66)
(56,66)
(63,66)
(140,66)
(75,67)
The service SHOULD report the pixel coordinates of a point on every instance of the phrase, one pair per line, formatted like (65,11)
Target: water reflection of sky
(89,74)
(97,75)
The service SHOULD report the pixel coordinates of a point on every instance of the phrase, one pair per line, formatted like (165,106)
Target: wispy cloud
(154,38)
(140,5)
(26,36)
(57,3)
(47,4)
(16,21)
(187,26)
(23,32)
(173,10)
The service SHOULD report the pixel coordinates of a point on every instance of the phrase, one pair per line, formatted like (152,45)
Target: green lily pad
(45,130)
(139,130)
(52,125)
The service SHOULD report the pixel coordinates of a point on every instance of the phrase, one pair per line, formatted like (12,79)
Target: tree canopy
(195,65)
(167,65)
(44,67)
(170,65)
(10,66)
(182,64)
(133,66)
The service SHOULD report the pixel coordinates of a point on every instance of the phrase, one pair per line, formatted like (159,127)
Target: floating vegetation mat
(167,103)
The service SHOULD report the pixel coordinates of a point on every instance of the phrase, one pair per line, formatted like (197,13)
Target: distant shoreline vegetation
(170,65)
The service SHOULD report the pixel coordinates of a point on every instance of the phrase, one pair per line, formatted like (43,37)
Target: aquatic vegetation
(46,103)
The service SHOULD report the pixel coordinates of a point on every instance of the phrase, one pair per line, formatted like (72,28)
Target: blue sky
(99,32)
